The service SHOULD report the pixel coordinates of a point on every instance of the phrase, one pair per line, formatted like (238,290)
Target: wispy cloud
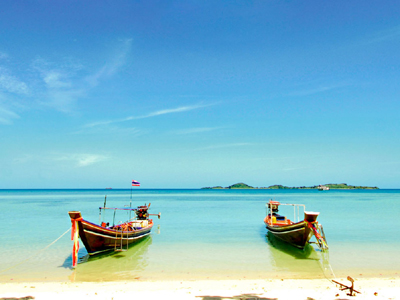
(89,159)
(113,65)
(384,35)
(75,160)
(63,84)
(233,145)
(63,100)
(151,114)
(376,37)
(111,130)
(10,87)
(320,88)
(81,160)
(60,86)
(11,84)
(54,80)
(7,116)
(195,130)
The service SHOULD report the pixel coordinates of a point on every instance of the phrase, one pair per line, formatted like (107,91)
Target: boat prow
(310,216)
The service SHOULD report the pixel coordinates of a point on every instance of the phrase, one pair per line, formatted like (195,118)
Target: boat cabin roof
(116,208)
(288,204)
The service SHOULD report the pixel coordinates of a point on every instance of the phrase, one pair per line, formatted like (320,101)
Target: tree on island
(240,185)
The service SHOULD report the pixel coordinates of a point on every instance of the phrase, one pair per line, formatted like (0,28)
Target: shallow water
(216,234)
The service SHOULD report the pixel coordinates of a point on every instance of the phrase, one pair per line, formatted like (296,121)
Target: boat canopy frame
(296,216)
(130,209)
(115,210)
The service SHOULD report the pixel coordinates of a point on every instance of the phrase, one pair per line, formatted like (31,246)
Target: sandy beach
(380,288)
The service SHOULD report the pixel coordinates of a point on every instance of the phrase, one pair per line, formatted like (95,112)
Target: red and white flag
(135,183)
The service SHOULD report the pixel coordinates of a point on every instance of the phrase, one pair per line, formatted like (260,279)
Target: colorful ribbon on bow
(75,238)
(312,226)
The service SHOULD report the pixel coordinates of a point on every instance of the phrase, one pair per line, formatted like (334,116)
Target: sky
(188,94)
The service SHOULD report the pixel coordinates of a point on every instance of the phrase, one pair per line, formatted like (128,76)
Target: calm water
(216,234)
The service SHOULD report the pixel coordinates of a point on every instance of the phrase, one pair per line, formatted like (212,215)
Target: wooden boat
(295,232)
(101,238)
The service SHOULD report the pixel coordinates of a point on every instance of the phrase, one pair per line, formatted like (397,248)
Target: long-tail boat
(295,232)
(105,237)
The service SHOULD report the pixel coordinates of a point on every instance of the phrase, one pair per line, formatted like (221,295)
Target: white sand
(204,290)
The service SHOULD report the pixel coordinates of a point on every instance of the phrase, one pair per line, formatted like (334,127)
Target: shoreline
(372,288)
(162,275)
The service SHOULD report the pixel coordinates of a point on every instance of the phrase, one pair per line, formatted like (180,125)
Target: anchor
(344,287)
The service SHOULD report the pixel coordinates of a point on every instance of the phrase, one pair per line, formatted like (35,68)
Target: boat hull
(98,239)
(296,234)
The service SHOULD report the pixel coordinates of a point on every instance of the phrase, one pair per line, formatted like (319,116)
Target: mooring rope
(36,253)
(326,265)
(321,241)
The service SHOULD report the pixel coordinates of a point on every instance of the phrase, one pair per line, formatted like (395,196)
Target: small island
(333,186)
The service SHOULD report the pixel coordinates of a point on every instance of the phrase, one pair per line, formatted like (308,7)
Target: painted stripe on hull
(111,248)
(114,237)
(295,234)
(285,232)
(97,227)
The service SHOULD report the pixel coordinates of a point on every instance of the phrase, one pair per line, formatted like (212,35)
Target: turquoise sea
(202,234)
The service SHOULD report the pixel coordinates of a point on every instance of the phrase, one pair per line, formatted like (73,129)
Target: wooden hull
(98,239)
(296,234)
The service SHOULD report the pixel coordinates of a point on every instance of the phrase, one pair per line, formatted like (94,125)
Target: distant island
(333,186)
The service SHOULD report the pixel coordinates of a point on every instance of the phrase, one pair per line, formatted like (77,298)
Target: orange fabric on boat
(267,220)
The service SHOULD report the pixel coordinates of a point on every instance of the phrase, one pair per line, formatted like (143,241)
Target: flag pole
(134,183)
(130,204)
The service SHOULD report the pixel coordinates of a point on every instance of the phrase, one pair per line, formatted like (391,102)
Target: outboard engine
(141,212)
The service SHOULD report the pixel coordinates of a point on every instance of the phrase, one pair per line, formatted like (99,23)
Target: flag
(135,183)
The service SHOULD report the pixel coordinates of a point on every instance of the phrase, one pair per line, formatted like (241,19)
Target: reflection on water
(114,266)
(289,249)
(300,263)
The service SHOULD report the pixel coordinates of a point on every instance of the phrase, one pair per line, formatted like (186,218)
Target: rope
(324,261)
(325,265)
(21,262)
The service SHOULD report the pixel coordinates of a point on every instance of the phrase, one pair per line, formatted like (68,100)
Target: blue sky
(186,94)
